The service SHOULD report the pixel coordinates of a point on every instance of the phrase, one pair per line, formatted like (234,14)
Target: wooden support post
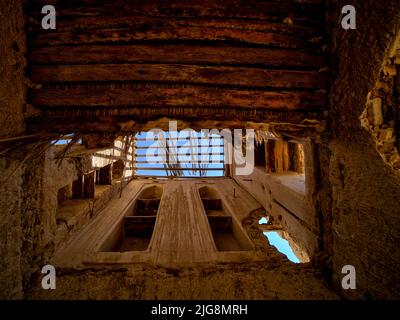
(89,185)
(77,188)
(281,156)
(296,157)
(105,175)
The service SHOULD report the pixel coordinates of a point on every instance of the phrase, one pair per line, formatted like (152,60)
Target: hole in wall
(282,245)
(283,242)
(263,220)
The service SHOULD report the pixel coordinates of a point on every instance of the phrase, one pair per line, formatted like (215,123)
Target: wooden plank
(142,23)
(125,35)
(67,120)
(252,77)
(178,97)
(281,153)
(180,54)
(299,11)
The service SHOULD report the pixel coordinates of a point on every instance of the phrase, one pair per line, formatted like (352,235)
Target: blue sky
(205,145)
(279,243)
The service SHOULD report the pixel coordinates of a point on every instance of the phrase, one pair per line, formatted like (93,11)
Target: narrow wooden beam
(234,76)
(178,97)
(67,120)
(281,156)
(301,12)
(179,54)
(135,23)
(125,35)
(296,157)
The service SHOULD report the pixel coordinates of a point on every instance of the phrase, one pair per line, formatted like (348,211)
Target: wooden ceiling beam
(223,76)
(300,11)
(178,97)
(147,24)
(118,120)
(178,54)
(126,35)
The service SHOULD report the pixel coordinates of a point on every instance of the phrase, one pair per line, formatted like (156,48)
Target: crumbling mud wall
(214,282)
(381,116)
(12,99)
(365,191)
(42,180)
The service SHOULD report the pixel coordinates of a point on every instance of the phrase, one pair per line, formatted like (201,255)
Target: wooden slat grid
(201,168)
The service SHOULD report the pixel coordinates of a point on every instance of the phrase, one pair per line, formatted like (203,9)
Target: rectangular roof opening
(183,154)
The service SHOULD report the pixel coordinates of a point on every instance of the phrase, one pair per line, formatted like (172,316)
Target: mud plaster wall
(365,210)
(42,180)
(239,281)
(12,99)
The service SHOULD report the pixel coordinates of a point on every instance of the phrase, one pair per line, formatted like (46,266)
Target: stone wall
(364,191)
(381,116)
